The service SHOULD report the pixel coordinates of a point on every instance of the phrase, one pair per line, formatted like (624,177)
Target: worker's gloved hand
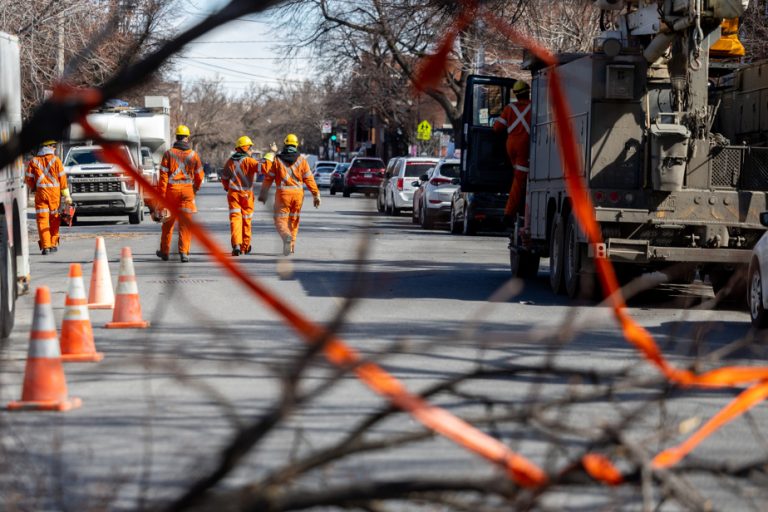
(68,200)
(316,201)
(273,147)
(262,199)
(66,196)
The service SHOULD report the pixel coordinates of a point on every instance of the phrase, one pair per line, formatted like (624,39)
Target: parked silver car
(437,193)
(384,185)
(399,192)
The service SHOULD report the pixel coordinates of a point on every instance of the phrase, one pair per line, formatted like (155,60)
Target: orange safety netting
(521,470)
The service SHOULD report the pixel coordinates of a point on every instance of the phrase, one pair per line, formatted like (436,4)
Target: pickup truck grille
(92,187)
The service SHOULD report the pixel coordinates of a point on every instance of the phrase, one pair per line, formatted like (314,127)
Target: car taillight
(381,172)
(439,181)
(400,183)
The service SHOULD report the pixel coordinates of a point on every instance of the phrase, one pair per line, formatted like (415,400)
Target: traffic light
(333,138)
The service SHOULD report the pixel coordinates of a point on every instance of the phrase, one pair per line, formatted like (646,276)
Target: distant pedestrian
(237,178)
(47,179)
(181,175)
(290,172)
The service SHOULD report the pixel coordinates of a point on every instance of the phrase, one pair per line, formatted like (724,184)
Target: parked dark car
(337,178)
(364,175)
(477,211)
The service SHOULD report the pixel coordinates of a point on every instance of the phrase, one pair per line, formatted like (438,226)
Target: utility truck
(670,192)
(14,245)
(102,188)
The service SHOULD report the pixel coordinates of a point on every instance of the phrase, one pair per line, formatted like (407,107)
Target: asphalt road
(157,410)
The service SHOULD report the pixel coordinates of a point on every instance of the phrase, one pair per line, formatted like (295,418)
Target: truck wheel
(137,216)
(469,227)
(757,313)
(729,283)
(556,255)
(455,225)
(425,219)
(523,264)
(7,282)
(572,263)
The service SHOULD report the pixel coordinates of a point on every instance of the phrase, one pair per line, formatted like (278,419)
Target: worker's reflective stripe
(43,210)
(187,210)
(181,168)
(522,168)
(243,182)
(46,173)
(520,118)
(297,183)
(287,215)
(235,210)
(164,169)
(501,120)
(289,187)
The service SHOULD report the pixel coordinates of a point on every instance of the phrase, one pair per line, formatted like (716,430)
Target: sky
(241,53)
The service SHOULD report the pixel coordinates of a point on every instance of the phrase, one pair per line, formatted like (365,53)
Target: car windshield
(325,169)
(416,169)
(89,156)
(369,164)
(449,170)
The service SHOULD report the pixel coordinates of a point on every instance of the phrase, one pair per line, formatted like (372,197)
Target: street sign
(327,127)
(424,131)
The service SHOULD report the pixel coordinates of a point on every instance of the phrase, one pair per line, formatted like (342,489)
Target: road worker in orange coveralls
(46,178)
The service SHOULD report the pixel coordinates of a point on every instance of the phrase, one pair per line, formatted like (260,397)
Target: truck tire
(7,282)
(757,313)
(730,284)
(556,255)
(523,264)
(137,216)
(455,224)
(469,227)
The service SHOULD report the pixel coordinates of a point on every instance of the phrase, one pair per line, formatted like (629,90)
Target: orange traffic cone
(100,294)
(45,387)
(127,312)
(76,331)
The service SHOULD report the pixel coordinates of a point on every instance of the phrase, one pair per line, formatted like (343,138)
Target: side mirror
(416,183)
(424,177)
(456,181)
(764,219)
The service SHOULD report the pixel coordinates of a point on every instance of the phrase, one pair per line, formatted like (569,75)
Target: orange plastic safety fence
(601,469)
(633,332)
(524,472)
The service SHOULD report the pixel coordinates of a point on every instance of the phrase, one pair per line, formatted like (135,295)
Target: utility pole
(60,48)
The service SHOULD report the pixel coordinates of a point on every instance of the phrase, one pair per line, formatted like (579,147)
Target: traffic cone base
(127,313)
(45,386)
(77,344)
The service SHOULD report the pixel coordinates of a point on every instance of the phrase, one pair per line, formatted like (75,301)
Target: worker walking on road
(239,174)
(181,175)
(47,179)
(516,121)
(290,172)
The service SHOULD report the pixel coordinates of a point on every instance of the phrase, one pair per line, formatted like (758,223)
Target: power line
(254,41)
(197,57)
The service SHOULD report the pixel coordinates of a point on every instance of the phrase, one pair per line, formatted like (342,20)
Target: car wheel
(455,225)
(729,283)
(469,227)
(332,191)
(556,255)
(7,282)
(426,220)
(346,192)
(757,313)
(523,264)
(379,203)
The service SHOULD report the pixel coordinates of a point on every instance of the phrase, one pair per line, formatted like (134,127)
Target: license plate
(367,175)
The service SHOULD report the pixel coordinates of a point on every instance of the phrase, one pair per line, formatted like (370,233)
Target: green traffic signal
(333,137)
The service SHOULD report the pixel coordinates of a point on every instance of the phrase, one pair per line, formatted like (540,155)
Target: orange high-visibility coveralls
(46,178)
(516,121)
(289,196)
(181,174)
(238,177)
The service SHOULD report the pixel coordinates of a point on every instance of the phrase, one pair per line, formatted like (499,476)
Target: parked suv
(364,175)
(437,190)
(399,193)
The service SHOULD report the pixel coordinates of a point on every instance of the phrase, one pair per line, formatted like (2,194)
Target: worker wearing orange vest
(516,121)
(47,179)
(290,172)
(181,174)
(238,177)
